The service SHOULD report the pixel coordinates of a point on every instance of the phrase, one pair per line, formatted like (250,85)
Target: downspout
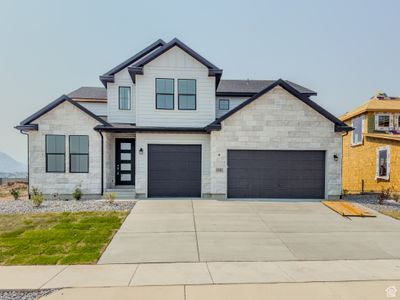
(27,136)
(343,135)
(102,162)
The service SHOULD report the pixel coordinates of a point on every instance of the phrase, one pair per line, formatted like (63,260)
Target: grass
(393,214)
(56,238)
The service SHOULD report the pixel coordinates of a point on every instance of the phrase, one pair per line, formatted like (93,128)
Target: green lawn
(56,238)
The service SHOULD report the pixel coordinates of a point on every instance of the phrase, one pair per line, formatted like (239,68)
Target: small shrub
(384,195)
(77,193)
(110,197)
(37,197)
(15,193)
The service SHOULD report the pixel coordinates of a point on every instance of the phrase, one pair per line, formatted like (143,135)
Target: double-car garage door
(276,174)
(175,171)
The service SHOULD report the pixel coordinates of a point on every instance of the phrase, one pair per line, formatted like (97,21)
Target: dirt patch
(5,190)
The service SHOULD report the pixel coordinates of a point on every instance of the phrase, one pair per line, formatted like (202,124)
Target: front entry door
(125,161)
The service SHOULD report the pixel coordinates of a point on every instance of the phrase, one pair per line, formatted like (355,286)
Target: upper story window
(124,98)
(223,104)
(55,153)
(383,122)
(164,93)
(79,154)
(357,132)
(383,162)
(187,94)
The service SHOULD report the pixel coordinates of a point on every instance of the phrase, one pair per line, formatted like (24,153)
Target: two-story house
(167,125)
(371,153)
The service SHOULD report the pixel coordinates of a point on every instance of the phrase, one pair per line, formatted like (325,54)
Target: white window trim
(387,148)
(382,128)
(352,133)
(396,122)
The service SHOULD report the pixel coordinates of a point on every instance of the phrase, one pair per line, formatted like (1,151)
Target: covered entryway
(174,170)
(276,174)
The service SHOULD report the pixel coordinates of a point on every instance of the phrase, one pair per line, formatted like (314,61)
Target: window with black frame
(79,154)
(186,94)
(223,104)
(55,153)
(124,97)
(164,93)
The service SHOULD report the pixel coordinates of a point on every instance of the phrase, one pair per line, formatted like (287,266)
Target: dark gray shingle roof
(89,92)
(225,86)
(253,86)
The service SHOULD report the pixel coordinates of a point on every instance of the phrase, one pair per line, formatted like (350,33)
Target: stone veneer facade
(65,119)
(276,120)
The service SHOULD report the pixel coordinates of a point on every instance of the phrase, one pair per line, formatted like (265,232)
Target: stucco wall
(144,139)
(276,120)
(65,119)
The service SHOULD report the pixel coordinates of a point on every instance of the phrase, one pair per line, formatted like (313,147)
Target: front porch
(120,164)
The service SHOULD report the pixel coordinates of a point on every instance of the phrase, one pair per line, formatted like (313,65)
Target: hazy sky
(344,50)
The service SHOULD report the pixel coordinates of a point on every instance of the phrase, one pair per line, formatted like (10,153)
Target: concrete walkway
(283,291)
(120,275)
(158,231)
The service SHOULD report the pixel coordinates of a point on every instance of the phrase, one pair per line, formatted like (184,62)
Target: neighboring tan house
(371,153)
(166,125)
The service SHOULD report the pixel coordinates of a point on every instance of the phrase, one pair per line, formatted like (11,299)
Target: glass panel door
(125,161)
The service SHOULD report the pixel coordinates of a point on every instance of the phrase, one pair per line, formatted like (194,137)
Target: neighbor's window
(383,162)
(164,93)
(79,154)
(187,94)
(382,122)
(357,132)
(55,153)
(223,104)
(124,96)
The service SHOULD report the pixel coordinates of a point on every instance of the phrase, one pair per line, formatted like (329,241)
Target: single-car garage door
(174,171)
(276,174)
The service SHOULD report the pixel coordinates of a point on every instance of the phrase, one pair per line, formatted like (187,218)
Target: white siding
(65,119)
(233,102)
(176,64)
(144,139)
(276,121)
(99,109)
(115,115)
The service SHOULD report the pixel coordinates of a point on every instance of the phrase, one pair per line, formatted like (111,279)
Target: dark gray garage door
(174,171)
(276,174)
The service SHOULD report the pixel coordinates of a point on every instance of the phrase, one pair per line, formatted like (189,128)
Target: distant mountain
(9,165)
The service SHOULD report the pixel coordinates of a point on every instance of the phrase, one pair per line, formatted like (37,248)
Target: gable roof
(227,88)
(339,125)
(137,67)
(89,92)
(109,76)
(55,103)
(248,88)
(375,105)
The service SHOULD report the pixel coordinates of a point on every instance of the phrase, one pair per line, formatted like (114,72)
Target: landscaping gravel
(25,206)
(371,201)
(24,294)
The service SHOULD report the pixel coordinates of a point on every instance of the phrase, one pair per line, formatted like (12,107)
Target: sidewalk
(365,290)
(125,275)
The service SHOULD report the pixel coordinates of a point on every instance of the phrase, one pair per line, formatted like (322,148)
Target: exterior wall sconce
(141,151)
(335,157)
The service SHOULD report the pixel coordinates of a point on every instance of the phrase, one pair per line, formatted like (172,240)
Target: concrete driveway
(220,231)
